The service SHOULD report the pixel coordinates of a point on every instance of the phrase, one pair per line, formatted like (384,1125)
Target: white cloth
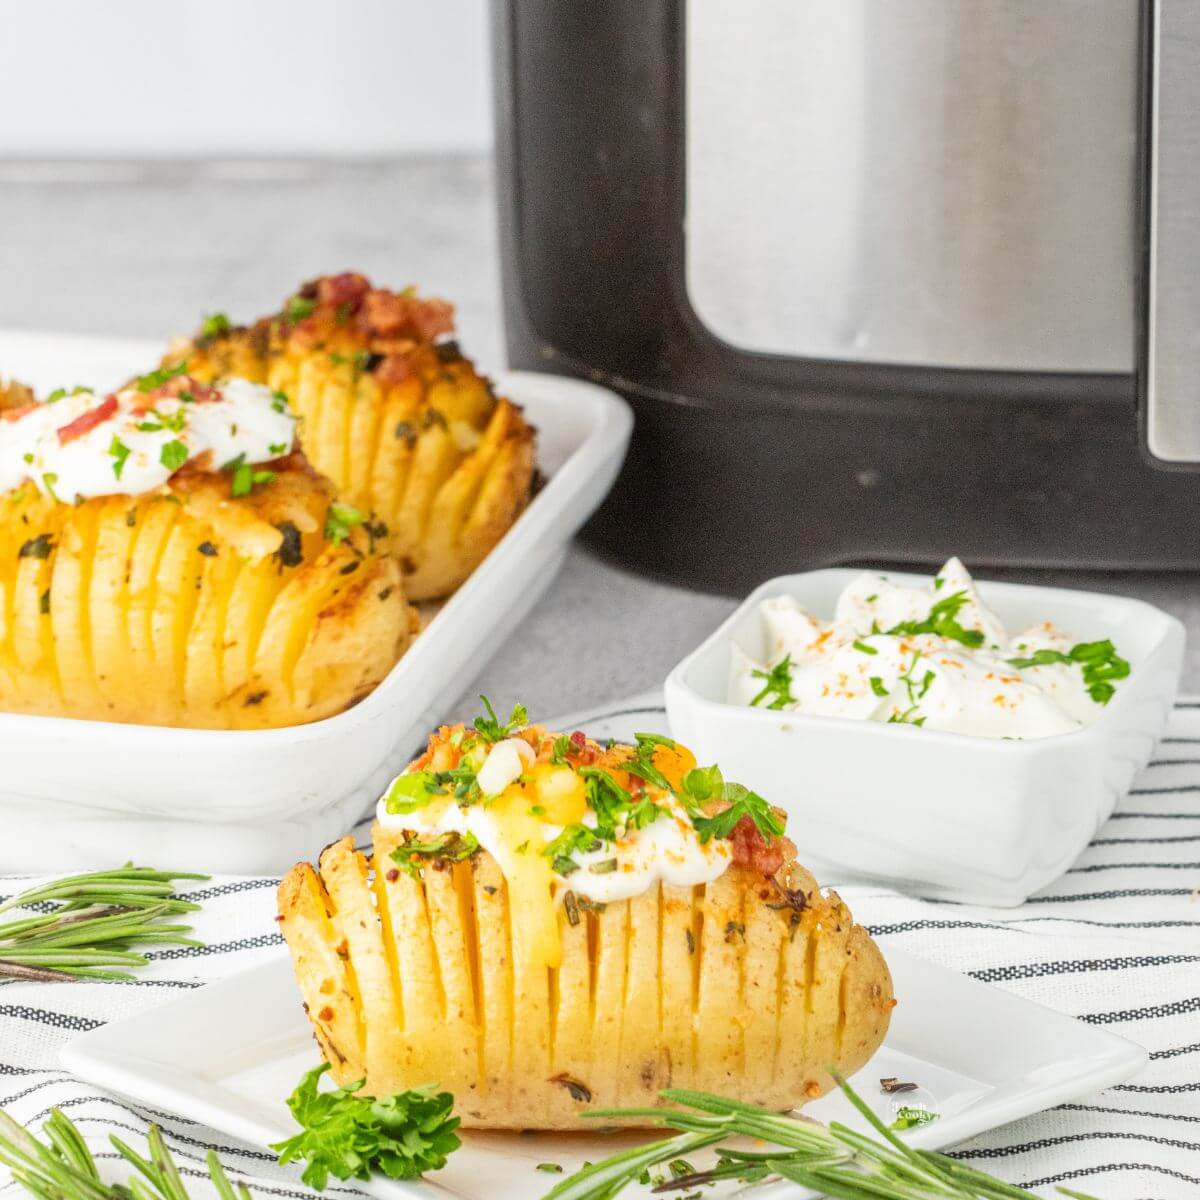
(1116,942)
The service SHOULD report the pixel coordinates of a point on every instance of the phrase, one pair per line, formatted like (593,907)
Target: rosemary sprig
(833,1159)
(61,1166)
(92,924)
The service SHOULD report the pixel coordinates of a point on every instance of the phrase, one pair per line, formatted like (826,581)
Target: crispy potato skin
(751,987)
(405,427)
(190,607)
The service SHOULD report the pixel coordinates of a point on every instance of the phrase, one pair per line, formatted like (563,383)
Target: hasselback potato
(229,599)
(430,961)
(393,413)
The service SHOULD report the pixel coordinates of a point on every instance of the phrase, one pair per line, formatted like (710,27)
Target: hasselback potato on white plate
(546,926)
(167,557)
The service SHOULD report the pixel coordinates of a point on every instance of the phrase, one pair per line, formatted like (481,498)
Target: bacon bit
(432,318)
(326,1014)
(812,1090)
(15,414)
(347,288)
(394,369)
(579,739)
(751,849)
(389,314)
(86,422)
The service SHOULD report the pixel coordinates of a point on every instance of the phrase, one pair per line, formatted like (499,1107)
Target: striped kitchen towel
(1116,942)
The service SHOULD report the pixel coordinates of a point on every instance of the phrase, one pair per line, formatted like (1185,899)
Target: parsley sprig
(942,622)
(350,1136)
(492,729)
(701,785)
(441,847)
(1100,662)
(778,685)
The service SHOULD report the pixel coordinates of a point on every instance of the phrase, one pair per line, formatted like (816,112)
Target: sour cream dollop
(131,442)
(668,849)
(852,667)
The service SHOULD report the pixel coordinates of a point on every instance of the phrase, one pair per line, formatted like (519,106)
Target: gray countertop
(142,250)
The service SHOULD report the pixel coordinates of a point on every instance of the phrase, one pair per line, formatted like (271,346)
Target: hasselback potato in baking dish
(393,413)
(547,926)
(167,557)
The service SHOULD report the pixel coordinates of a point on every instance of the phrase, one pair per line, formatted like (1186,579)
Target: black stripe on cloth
(1181,837)
(1160,1089)
(1107,924)
(912,926)
(230,889)
(1175,762)
(1079,966)
(1108,1169)
(251,943)
(1128,1112)
(9,1069)
(1172,1008)
(60,1079)
(45,1016)
(1155,816)
(1135,866)
(1176,1051)
(1066,1139)
(1120,894)
(1182,789)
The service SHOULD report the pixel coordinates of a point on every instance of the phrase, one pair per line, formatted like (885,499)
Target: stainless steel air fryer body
(880,280)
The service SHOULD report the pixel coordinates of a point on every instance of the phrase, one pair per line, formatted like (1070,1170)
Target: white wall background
(188,78)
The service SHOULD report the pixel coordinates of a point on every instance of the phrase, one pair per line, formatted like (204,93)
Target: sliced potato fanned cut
(190,606)
(393,413)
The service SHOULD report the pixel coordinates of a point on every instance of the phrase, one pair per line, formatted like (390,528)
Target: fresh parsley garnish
(60,393)
(279,402)
(119,452)
(863,648)
(173,455)
(642,762)
(339,520)
(245,477)
(1100,662)
(155,379)
(742,802)
(574,839)
(175,421)
(491,729)
(942,622)
(299,307)
(442,847)
(350,1136)
(412,791)
(877,686)
(214,325)
(778,685)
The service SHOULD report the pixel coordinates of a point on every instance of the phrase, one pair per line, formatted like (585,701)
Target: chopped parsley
(742,803)
(279,402)
(214,325)
(339,520)
(155,379)
(246,477)
(778,685)
(176,421)
(442,847)
(49,479)
(942,622)
(412,791)
(877,686)
(299,307)
(173,455)
(1099,660)
(277,448)
(119,453)
(60,393)
(863,648)
(642,762)
(490,728)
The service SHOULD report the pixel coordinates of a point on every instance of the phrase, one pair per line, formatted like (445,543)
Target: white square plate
(227,1055)
(254,801)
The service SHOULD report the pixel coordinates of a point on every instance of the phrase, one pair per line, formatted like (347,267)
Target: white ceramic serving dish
(227,1055)
(979,820)
(247,802)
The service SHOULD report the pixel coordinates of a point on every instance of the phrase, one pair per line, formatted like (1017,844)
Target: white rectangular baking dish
(247,802)
(978,820)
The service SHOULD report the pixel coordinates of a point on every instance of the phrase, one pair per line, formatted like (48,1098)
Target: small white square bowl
(973,819)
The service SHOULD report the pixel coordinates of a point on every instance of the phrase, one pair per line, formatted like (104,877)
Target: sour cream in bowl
(957,739)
